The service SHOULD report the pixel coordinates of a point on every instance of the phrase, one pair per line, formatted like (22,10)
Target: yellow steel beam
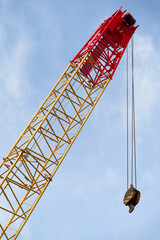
(36,156)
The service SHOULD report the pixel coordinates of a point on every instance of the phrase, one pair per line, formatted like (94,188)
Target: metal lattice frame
(34,159)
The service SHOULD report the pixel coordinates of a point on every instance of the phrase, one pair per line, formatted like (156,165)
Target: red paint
(107,45)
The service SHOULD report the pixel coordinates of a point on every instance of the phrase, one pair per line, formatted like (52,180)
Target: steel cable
(127,115)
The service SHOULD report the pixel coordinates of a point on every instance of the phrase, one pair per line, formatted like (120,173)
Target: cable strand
(133,121)
(127,116)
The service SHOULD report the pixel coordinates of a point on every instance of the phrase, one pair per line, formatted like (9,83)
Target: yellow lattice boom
(34,159)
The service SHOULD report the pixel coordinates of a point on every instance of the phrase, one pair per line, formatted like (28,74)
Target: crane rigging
(132,195)
(32,162)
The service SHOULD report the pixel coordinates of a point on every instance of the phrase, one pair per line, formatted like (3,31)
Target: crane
(32,162)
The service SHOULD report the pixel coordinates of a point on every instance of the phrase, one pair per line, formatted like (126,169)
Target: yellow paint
(34,159)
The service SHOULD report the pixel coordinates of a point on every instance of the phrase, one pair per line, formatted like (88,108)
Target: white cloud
(15,47)
(147,75)
(13,69)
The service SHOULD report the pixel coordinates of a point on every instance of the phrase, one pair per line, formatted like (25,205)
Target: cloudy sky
(85,200)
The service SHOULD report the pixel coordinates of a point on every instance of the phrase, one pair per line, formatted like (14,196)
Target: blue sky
(85,200)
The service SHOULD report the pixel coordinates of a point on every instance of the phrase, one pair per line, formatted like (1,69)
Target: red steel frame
(106,46)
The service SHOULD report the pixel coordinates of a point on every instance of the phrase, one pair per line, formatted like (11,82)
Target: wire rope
(133,111)
(127,115)
(133,160)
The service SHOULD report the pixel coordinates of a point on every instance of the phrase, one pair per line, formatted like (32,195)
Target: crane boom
(32,162)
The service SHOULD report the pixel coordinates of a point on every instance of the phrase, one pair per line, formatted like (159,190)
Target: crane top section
(107,43)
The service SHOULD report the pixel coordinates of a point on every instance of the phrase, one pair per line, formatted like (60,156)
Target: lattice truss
(34,159)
